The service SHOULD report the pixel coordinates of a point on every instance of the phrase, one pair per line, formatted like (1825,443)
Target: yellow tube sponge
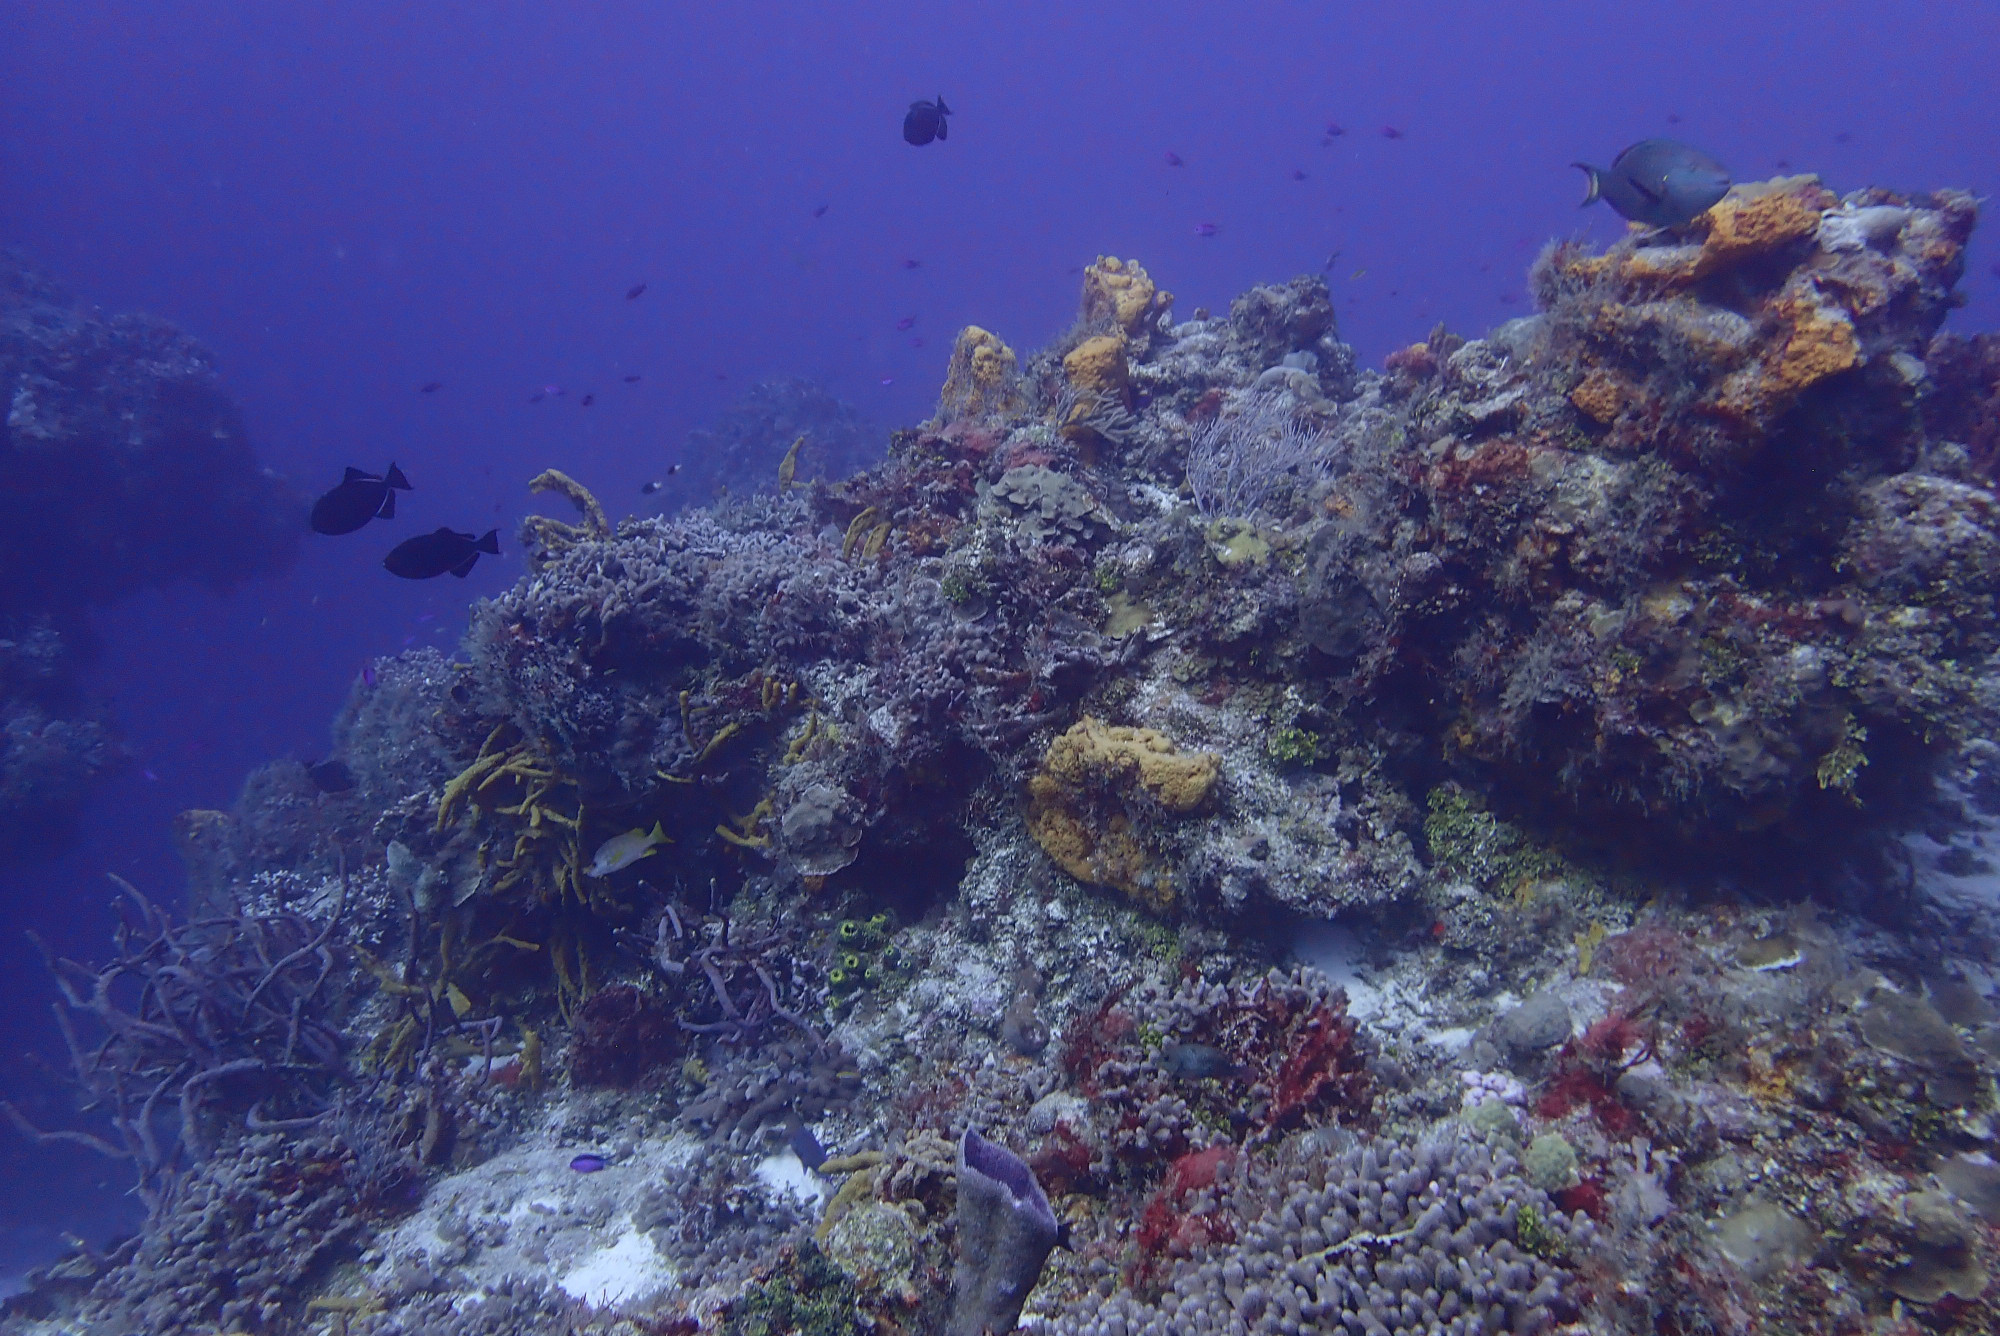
(982,380)
(1121,292)
(1096,367)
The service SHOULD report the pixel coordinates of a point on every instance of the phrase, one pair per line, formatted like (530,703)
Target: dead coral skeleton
(231,1005)
(741,970)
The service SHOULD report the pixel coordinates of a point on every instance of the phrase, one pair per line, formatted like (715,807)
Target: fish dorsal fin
(656,833)
(388,510)
(356,475)
(394,477)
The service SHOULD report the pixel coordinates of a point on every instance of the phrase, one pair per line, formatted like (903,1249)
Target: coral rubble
(1240,785)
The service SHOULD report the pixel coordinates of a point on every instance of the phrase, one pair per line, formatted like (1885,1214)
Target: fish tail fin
(387,510)
(490,543)
(1593,192)
(394,477)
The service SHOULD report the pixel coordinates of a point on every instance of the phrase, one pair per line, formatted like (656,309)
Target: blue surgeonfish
(1658,182)
(622,851)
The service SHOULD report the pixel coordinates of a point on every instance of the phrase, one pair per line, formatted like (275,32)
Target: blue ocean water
(347,203)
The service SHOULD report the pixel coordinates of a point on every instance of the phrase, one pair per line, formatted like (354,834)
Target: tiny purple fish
(1206,229)
(888,380)
(905,323)
(1335,130)
(150,775)
(587,1163)
(1174,159)
(368,675)
(1391,132)
(913,264)
(1298,173)
(820,212)
(552,391)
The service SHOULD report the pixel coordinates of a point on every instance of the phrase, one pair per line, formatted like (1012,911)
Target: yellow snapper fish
(622,851)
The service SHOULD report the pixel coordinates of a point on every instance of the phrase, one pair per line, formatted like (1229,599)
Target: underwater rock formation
(130,469)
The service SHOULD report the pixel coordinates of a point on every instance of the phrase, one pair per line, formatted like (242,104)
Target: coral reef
(1302,815)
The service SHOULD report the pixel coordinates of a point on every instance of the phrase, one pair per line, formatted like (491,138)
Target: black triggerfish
(925,122)
(432,554)
(1658,182)
(359,498)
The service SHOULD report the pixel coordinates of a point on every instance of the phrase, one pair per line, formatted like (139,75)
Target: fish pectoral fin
(388,509)
(464,568)
(1651,194)
(944,129)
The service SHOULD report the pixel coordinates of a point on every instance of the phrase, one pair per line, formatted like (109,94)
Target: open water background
(346,201)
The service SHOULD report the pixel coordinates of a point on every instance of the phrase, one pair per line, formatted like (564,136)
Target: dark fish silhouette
(1174,159)
(632,380)
(906,322)
(1391,132)
(913,264)
(430,387)
(1658,182)
(1334,130)
(360,498)
(654,486)
(1298,173)
(430,555)
(635,291)
(1194,1062)
(1206,229)
(925,122)
(586,401)
(803,1143)
(330,776)
(820,212)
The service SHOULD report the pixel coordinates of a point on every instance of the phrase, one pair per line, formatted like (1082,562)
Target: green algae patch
(1237,542)
(1126,616)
